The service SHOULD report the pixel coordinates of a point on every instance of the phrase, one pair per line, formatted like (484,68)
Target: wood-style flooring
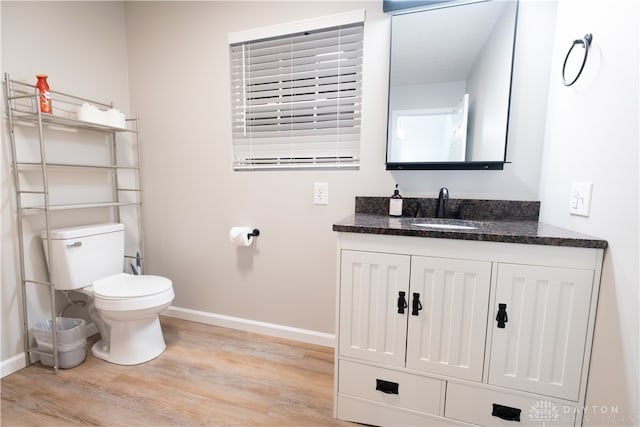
(207,376)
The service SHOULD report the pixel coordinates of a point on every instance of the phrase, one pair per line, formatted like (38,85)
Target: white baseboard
(271,329)
(12,364)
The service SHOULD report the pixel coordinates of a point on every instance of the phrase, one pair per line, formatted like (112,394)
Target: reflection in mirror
(449,88)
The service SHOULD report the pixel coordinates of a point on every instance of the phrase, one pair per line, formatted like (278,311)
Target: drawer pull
(387,387)
(402,302)
(506,412)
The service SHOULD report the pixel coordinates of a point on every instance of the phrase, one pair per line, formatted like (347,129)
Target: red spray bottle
(45,96)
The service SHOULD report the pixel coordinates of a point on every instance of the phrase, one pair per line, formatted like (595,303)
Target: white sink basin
(448,226)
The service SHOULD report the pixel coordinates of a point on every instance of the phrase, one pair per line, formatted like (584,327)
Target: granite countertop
(523,230)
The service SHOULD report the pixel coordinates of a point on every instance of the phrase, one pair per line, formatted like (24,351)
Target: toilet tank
(82,255)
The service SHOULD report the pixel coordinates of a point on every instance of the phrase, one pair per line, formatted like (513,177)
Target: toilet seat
(124,292)
(124,286)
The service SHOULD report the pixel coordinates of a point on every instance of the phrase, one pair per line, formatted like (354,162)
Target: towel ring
(586,43)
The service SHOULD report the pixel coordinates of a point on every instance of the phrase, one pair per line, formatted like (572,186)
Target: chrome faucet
(442,203)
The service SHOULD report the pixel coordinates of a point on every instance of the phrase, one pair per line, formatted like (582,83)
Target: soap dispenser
(395,203)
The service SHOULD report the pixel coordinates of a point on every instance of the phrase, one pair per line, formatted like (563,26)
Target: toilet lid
(124,285)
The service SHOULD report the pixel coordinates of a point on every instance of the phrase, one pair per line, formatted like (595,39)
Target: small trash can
(72,341)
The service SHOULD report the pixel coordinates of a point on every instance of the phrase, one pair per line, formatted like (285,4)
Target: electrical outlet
(580,201)
(320,193)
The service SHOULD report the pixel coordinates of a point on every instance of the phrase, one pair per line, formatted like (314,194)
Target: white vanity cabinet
(446,332)
(424,313)
(544,337)
(371,328)
(439,331)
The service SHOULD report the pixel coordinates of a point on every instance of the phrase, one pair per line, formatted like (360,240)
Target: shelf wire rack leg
(17,186)
(49,260)
(138,141)
(114,176)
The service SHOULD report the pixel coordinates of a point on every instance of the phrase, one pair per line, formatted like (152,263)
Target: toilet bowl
(124,307)
(129,306)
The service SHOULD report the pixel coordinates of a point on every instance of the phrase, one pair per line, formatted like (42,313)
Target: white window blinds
(296,99)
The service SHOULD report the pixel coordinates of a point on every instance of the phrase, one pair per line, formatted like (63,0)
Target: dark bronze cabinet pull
(386,387)
(416,306)
(502,317)
(402,302)
(506,413)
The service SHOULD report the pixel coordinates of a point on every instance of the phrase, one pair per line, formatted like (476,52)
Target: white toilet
(124,307)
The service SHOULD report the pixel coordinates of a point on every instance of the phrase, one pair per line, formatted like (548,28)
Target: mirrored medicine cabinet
(450,84)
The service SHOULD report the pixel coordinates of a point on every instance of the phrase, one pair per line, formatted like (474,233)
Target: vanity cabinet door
(539,345)
(373,319)
(446,335)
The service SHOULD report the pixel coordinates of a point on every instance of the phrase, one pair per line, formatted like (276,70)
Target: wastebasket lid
(125,285)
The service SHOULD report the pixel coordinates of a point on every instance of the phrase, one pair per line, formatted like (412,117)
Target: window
(296,98)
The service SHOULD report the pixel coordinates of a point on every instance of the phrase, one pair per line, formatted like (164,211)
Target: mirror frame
(397,7)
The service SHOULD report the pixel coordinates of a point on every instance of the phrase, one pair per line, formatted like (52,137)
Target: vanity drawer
(391,387)
(494,408)
(378,414)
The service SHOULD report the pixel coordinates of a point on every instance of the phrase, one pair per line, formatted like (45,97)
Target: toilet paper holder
(254,233)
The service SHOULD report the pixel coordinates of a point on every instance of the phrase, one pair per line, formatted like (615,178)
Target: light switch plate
(321,193)
(580,201)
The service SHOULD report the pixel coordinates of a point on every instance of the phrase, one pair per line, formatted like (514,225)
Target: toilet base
(132,341)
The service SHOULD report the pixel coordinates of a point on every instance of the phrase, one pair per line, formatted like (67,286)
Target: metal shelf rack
(22,108)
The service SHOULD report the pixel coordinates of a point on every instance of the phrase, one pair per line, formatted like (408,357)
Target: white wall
(81,46)
(592,135)
(179,77)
